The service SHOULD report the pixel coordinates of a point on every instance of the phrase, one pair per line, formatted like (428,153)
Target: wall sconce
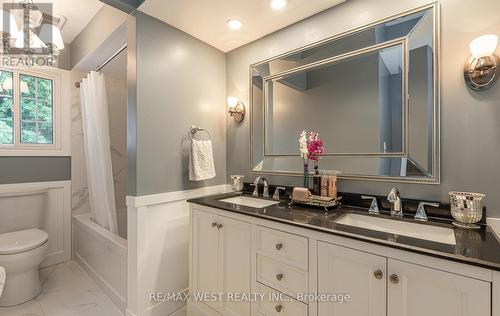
(236,109)
(481,70)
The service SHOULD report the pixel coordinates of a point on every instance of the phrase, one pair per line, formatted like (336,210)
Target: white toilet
(20,254)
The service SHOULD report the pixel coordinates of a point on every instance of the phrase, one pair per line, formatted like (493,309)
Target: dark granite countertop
(475,247)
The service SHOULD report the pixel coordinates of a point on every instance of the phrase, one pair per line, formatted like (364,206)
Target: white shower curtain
(96,138)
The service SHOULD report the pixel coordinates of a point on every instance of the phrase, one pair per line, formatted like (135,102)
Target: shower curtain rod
(106,62)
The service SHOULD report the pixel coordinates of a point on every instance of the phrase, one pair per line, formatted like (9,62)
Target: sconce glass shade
(484,46)
(232,101)
(236,109)
(35,18)
(50,34)
(8,24)
(481,71)
(35,42)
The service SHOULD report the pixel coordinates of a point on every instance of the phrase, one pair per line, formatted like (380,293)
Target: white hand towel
(201,161)
(3,276)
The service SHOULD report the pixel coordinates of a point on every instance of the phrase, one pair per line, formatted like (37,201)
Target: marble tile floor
(67,291)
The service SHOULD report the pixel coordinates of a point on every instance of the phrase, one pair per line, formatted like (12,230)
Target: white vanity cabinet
(360,275)
(414,290)
(235,253)
(382,286)
(220,263)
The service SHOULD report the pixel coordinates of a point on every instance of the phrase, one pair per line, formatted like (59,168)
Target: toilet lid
(22,240)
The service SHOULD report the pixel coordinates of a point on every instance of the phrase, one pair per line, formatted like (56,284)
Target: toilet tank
(22,210)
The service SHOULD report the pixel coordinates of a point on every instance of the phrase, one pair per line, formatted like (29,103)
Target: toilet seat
(22,241)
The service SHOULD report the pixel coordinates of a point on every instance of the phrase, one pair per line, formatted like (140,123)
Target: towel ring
(195,129)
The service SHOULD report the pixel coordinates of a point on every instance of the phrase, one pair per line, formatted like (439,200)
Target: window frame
(60,125)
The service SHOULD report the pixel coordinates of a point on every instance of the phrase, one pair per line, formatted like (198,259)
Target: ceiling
(206,20)
(77,12)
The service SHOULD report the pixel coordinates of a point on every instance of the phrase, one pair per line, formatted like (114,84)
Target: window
(31,117)
(6,104)
(36,110)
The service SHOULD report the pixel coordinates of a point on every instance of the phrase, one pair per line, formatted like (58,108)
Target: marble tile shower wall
(117,102)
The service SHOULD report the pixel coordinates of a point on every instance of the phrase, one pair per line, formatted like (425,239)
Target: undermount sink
(249,201)
(414,230)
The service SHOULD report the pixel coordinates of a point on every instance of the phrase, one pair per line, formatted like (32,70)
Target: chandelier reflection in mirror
(26,28)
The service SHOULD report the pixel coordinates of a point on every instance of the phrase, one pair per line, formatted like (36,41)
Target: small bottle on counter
(317,182)
(332,184)
(324,183)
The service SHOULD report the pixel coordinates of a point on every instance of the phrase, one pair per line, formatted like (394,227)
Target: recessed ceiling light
(234,24)
(278,4)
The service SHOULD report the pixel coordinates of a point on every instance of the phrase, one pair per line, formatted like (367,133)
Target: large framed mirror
(372,94)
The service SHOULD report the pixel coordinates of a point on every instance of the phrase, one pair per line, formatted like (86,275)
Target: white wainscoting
(57,220)
(158,249)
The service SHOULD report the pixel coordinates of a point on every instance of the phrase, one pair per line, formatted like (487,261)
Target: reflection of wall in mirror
(343,103)
(421,107)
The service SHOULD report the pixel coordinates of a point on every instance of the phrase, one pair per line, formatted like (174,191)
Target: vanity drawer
(285,278)
(292,249)
(274,303)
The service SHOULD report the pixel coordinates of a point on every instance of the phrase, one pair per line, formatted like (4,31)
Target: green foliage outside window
(35,106)
(36,110)
(6,122)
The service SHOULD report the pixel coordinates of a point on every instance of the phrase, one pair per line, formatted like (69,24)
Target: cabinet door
(234,265)
(415,290)
(205,248)
(361,275)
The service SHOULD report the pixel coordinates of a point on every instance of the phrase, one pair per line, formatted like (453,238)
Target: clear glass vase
(306,173)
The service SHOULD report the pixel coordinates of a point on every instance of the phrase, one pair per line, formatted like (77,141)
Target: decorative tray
(319,202)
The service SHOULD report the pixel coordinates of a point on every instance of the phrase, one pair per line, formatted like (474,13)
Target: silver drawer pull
(279,308)
(394,278)
(378,274)
(219,226)
(279,246)
(279,276)
(214,224)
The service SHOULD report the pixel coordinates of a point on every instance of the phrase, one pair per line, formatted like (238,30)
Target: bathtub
(103,255)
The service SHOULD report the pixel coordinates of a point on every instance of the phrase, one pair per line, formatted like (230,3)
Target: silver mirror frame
(433,178)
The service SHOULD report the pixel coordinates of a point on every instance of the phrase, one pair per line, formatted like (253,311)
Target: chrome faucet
(397,206)
(421,215)
(256,185)
(374,210)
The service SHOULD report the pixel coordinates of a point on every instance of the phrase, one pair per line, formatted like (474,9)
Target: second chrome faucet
(397,206)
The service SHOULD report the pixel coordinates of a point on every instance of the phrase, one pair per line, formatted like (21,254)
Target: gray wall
(34,169)
(470,133)
(181,81)
(329,105)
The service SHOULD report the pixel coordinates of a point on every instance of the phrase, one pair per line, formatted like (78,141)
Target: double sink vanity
(387,265)
(372,94)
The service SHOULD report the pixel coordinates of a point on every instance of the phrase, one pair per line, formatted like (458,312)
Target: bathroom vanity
(373,94)
(289,251)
